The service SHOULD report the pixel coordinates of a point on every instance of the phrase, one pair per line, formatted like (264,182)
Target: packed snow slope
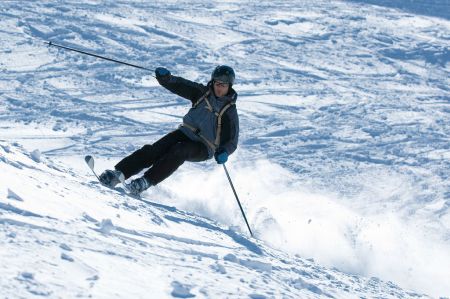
(344,153)
(63,235)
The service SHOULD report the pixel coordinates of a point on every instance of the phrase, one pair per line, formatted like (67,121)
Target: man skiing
(210,128)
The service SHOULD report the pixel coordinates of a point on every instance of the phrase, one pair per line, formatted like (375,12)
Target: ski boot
(110,178)
(138,185)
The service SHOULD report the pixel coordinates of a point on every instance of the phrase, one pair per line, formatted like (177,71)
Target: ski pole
(98,56)
(237,198)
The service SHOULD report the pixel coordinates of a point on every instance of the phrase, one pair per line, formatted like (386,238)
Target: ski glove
(162,73)
(221,156)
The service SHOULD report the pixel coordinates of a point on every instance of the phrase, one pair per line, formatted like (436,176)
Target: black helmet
(224,74)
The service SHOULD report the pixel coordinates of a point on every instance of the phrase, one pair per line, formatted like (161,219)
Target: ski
(91,164)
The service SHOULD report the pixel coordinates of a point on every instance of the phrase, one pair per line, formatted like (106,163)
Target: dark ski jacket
(200,123)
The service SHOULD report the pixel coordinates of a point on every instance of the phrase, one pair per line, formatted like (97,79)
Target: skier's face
(220,88)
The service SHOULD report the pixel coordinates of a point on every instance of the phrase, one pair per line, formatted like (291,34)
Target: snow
(342,168)
(72,237)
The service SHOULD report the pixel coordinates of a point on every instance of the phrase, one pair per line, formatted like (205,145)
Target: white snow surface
(343,164)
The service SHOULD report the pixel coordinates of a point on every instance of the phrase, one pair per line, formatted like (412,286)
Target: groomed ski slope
(343,155)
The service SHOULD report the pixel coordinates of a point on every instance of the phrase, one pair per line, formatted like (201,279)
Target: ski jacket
(211,120)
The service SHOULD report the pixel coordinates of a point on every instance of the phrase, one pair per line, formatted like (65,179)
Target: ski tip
(89,161)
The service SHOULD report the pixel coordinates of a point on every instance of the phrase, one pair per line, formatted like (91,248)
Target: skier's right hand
(162,74)
(221,156)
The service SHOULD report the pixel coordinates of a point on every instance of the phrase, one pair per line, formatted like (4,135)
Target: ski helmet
(224,74)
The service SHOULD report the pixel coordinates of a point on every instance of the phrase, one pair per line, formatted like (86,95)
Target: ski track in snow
(343,156)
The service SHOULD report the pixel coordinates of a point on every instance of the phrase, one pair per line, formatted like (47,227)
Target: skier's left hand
(162,74)
(221,156)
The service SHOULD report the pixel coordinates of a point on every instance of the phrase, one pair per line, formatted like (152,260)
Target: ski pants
(163,157)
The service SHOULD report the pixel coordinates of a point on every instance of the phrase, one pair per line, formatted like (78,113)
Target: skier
(210,128)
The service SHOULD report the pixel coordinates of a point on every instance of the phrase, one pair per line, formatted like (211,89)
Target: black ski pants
(163,157)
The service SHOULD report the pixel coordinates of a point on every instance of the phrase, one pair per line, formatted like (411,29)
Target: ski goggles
(221,84)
